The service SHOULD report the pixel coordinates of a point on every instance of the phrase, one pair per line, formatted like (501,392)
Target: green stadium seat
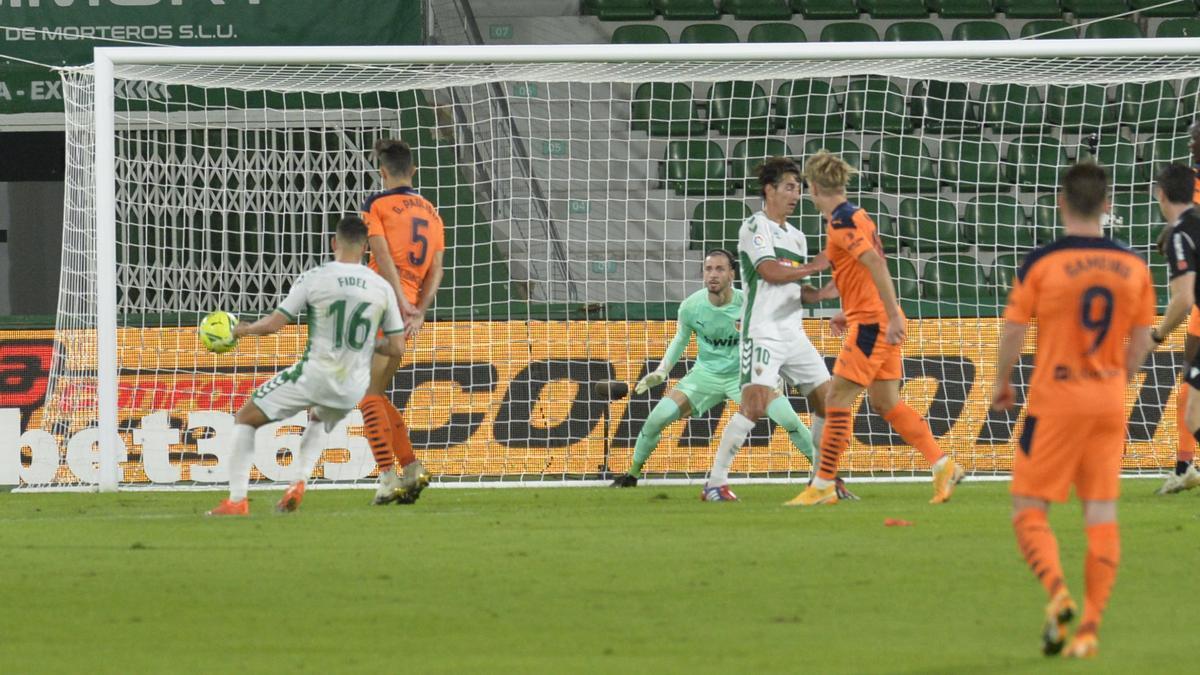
(895,9)
(1046,223)
(962,9)
(1091,9)
(715,224)
(951,277)
(618,10)
(971,165)
(1116,28)
(1136,220)
(756,10)
(687,10)
(980,30)
(1149,107)
(1187,9)
(1174,28)
(1049,29)
(1004,270)
(1031,9)
(808,107)
(739,108)
(707,33)
(640,34)
(1079,108)
(902,165)
(826,9)
(929,224)
(944,106)
(849,31)
(694,167)
(1012,108)
(1166,149)
(748,154)
(904,276)
(875,105)
(1119,156)
(912,31)
(1189,101)
(847,150)
(664,109)
(776,32)
(999,223)
(1034,162)
(883,221)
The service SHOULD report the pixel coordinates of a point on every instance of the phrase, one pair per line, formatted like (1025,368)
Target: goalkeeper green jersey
(716,330)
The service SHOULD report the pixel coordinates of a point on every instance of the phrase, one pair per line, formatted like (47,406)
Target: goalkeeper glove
(650,381)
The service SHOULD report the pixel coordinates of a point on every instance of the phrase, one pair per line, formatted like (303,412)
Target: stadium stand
(776,32)
(895,9)
(1179,28)
(756,10)
(1091,9)
(826,9)
(707,33)
(687,10)
(849,31)
(739,108)
(962,9)
(980,30)
(618,10)
(912,31)
(1030,9)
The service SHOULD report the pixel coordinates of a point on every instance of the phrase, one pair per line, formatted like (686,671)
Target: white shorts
(289,393)
(774,363)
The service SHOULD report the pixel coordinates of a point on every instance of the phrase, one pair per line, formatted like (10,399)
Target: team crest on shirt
(1181,264)
(737,325)
(759,240)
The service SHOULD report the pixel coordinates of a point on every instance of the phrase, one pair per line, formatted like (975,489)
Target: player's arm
(391,346)
(1003,397)
(1183,292)
(387,267)
(271,323)
(811,294)
(683,335)
(774,272)
(391,324)
(876,265)
(429,289)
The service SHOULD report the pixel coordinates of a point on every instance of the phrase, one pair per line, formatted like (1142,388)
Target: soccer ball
(216,332)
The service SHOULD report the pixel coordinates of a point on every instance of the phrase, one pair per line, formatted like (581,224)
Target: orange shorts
(1058,451)
(866,356)
(1194,322)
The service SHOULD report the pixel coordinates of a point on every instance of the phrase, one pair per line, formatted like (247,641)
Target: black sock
(1181,468)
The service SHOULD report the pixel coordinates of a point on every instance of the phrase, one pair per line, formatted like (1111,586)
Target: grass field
(572,580)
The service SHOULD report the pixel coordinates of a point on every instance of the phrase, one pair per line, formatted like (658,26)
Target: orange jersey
(1087,294)
(414,233)
(849,233)
(1196,189)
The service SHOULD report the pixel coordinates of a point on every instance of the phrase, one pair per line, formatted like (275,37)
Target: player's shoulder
(407,194)
(755,223)
(693,301)
(1076,245)
(1189,222)
(848,216)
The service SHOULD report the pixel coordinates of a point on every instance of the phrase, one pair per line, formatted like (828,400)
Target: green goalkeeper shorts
(704,389)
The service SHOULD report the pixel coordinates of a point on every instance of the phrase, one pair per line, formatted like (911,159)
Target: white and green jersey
(773,311)
(716,331)
(345,304)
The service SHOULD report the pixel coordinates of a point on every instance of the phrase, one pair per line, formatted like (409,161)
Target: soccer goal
(581,186)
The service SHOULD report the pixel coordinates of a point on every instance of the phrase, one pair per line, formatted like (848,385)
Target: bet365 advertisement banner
(63,32)
(502,400)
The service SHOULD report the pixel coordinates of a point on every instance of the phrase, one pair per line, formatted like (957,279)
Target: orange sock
(1186,450)
(1100,572)
(914,430)
(401,445)
(834,440)
(379,433)
(1040,548)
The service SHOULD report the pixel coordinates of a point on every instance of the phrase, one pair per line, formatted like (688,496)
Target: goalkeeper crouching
(713,314)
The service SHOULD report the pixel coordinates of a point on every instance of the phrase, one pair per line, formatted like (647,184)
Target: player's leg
(312,443)
(835,439)
(377,421)
(675,405)
(805,369)
(914,429)
(759,377)
(1186,475)
(1043,469)
(245,423)
(1098,485)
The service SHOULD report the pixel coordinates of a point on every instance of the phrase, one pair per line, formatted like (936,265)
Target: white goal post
(562,161)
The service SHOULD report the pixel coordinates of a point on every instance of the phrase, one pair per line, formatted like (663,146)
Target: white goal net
(580,187)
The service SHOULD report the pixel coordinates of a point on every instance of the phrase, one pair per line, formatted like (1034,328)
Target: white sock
(240,461)
(818,428)
(312,444)
(736,431)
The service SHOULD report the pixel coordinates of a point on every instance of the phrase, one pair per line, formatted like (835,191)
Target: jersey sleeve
(1021,299)
(1181,253)
(683,335)
(754,241)
(392,321)
(297,298)
(437,234)
(372,219)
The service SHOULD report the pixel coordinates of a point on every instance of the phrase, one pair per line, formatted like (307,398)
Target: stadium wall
(511,400)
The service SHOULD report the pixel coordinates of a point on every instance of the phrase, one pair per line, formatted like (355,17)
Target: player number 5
(419,237)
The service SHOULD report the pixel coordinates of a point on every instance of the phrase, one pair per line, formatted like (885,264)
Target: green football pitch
(573,580)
